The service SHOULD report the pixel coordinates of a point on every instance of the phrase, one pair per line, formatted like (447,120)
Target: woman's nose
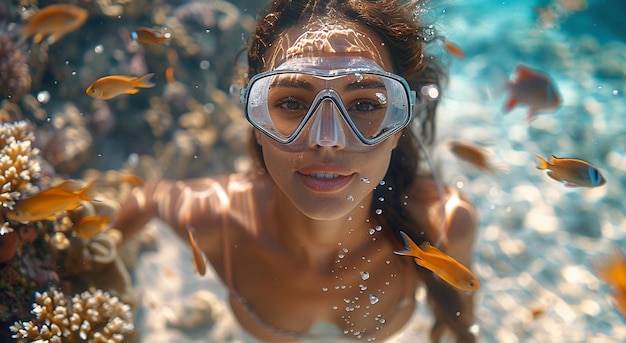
(327,130)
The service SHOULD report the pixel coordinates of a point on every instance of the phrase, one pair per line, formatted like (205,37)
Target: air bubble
(378,211)
(381,199)
(43,97)
(365,180)
(373,299)
(350,197)
(378,227)
(365,275)
(324,289)
(359,77)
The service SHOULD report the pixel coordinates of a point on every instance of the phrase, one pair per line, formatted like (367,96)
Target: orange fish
(45,204)
(574,5)
(534,89)
(454,49)
(86,227)
(198,257)
(147,36)
(444,266)
(54,21)
(111,86)
(613,271)
(572,172)
(472,154)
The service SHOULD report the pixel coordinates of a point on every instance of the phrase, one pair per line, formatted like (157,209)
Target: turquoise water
(536,237)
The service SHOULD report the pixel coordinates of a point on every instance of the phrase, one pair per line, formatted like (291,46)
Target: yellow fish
(88,226)
(572,172)
(444,266)
(612,270)
(113,85)
(534,89)
(473,155)
(54,21)
(45,204)
(198,257)
(147,36)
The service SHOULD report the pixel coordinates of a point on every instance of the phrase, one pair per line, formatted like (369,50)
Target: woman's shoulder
(430,204)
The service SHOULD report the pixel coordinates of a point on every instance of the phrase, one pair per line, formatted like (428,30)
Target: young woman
(305,244)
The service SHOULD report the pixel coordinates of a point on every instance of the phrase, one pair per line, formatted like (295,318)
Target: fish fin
(510,104)
(553,159)
(54,38)
(38,38)
(132,91)
(525,72)
(543,164)
(144,81)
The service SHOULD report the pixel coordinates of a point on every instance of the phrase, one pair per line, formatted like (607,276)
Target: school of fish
(529,87)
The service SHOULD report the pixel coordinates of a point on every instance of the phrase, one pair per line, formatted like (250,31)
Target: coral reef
(67,142)
(54,254)
(92,316)
(15,78)
(18,166)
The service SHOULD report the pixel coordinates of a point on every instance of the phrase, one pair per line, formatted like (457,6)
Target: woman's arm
(454,309)
(181,204)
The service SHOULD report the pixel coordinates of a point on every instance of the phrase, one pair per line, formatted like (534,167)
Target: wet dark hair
(405,36)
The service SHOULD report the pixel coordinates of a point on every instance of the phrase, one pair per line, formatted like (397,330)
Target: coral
(14,73)
(67,142)
(92,316)
(18,166)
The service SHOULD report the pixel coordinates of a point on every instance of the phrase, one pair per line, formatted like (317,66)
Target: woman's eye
(365,106)
(291,104)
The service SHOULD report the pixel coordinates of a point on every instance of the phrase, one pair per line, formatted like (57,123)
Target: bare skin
(299,255)
(283,278)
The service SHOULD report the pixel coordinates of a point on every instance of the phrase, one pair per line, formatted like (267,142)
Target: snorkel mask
(350,102)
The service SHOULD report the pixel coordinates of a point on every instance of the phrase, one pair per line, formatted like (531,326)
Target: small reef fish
(534,89)
(54,21)
(454,49)
(572,172)
(45,204)
(444,266)
(612,270)
(472,154)
(198,257)
(111,86)
(147,36)
(88,226)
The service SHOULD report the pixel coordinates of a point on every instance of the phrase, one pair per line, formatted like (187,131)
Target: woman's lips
(325,182)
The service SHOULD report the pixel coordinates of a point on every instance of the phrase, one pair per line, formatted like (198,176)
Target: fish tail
(144,81)
(412,248)
(543,164)
(85,192)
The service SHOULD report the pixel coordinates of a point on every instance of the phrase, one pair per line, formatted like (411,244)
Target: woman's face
(326,182)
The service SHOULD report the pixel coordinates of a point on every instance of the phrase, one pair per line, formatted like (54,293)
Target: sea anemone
(14,73)
(18,167)
(92,316)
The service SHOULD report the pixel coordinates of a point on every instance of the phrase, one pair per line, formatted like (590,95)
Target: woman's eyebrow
(367,83)
(292,83)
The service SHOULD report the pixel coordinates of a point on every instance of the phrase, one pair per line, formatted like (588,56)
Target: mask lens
(374,106)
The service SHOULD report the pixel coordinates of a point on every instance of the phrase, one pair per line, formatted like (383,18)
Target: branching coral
(18,167)
(88,317)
